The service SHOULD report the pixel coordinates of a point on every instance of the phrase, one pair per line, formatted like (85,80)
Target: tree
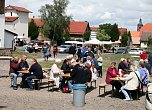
(149,43)
(55,20)
(111,30)
(33,30)
(114,34)
(126,39)
(86,35)
(102,35)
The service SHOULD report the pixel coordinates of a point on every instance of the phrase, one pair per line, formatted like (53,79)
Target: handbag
(66,88)
(50,55)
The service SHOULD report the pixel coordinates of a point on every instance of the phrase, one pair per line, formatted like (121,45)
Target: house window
(11,13)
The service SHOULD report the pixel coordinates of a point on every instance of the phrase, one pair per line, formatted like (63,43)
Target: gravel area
(23,99)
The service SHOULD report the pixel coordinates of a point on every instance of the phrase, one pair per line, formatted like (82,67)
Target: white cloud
(125,13)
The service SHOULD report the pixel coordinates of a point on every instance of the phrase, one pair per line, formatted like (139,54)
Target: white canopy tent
(93,41)
(97,42)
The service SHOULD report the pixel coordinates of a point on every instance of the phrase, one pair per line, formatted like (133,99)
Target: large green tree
(33,30)
(126,39)
(102,35)
(111,30)
(55,20)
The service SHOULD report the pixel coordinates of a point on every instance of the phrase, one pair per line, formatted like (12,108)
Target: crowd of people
(132,75)
(84,66)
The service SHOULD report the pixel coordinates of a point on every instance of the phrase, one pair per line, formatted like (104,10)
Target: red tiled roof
(77,27)
(10,19)
(93,28)
(37,21)
(17,8)
(122,31)
(135,37)
(146,28)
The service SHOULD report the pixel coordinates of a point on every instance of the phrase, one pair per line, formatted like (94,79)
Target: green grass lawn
(107,59)
(29,55)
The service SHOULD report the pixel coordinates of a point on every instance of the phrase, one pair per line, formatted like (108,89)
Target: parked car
(122,50)
(63,48)
(135,51)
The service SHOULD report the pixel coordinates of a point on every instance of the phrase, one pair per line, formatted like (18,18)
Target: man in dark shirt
(36,73)
(23,66)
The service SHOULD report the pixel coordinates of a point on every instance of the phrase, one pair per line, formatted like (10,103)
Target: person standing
(72,50)
(14,67)
(143,55)
(55,50)
(100,60)
(36,73)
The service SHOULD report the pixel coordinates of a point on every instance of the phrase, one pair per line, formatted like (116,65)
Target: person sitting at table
(111,73)
(79,74)
(128,63)
(24,66)
(55,73)
(66,67)
(36,73)
(131,81)
(123,66)
(14,66)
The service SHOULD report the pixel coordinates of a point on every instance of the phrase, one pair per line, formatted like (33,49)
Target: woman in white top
(131,81)
(55,72)
(94,72)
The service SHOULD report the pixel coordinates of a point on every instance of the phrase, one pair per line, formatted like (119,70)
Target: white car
(63,49)
(136,51)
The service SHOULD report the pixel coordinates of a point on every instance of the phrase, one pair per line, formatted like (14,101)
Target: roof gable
(21,9)
(122,31)
(146,28)
(93,28)
(135,37)
(145,36)
(37,21)
(78,27)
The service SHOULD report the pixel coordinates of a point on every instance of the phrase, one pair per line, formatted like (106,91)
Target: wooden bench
(92,82)
(50,81)
(102,85)
(38,82)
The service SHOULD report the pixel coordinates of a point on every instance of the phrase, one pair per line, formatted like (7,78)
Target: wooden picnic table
(67,75)
(24,71)
(46,69)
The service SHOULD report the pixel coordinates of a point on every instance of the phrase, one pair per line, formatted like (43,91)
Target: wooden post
(2,6)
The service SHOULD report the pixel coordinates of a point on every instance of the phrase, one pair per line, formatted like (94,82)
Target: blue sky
(126,13)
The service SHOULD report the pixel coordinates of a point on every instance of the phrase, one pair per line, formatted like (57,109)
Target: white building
(16,20)
(93,35)
(2,26)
